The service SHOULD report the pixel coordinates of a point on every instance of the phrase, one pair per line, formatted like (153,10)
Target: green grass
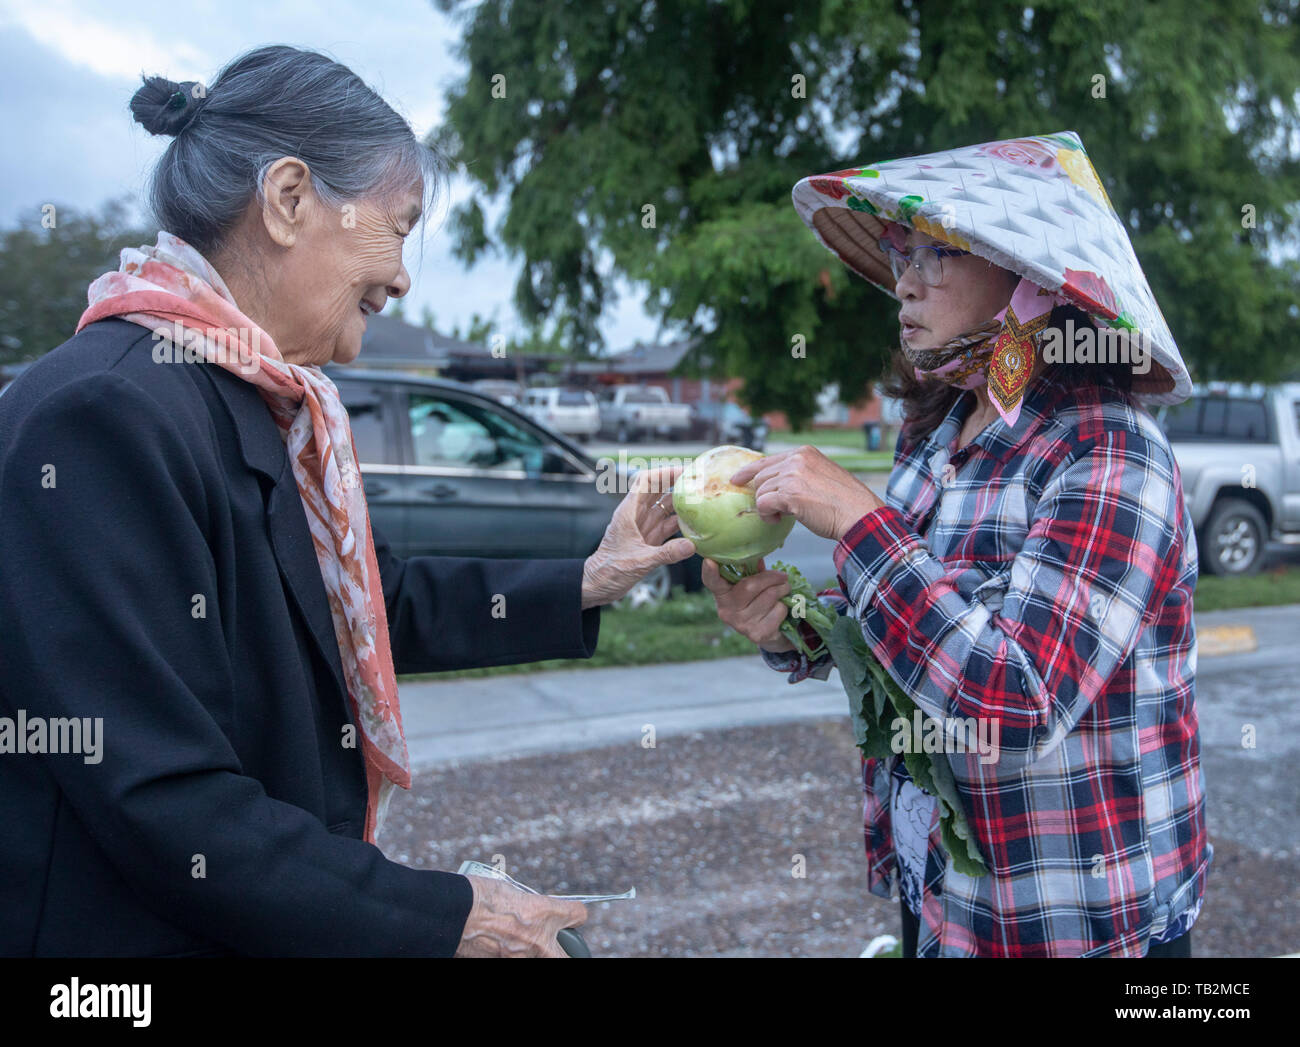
(851,440)
(865,463)
(832,437)
(686,628)
(1278,586)
(683,629)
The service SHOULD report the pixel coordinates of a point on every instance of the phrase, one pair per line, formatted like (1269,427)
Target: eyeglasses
(925,259)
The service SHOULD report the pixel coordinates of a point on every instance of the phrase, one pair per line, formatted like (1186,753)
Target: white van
(573,412)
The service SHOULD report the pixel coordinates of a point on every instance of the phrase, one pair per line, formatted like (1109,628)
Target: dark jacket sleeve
(104,517)
(447,612)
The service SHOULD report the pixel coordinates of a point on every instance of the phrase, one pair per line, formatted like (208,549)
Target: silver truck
(632,412)
(1239,454)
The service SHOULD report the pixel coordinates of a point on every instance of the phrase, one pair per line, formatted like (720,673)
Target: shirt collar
(997,439)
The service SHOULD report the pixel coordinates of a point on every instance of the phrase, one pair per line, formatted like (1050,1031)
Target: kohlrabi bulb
(721,518)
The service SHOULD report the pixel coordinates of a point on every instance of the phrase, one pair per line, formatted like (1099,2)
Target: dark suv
(451,472)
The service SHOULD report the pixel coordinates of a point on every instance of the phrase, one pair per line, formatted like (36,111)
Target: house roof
(640,359)
(391,341)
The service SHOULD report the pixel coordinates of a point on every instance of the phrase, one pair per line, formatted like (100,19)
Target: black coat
(225,812)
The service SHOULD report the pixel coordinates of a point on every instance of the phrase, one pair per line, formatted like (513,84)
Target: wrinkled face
(971,293)
(327,268)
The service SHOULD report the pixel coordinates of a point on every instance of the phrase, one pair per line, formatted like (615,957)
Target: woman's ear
(287,188)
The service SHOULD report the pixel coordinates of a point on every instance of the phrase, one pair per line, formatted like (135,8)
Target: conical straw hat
(1034,206)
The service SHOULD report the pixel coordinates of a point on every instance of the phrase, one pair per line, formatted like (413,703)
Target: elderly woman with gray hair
(186,560)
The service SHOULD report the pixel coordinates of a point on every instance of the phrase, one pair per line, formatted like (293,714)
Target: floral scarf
(999,354)
(171,289)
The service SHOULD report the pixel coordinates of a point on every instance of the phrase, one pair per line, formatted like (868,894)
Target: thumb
(675,551)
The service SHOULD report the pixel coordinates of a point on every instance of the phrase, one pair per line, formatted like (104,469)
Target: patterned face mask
(999,354)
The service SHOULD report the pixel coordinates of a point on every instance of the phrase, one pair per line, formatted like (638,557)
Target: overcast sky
(68,69)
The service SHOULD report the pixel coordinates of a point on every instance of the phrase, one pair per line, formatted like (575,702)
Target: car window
(641,396)
(1247,420)
(569,398)
(1183,421)
(365,410)
(466,434)
(1214,416)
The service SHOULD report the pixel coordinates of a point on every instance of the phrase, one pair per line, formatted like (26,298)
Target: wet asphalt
(746,840)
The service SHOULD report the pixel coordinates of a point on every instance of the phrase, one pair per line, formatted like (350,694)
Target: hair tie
(182,97)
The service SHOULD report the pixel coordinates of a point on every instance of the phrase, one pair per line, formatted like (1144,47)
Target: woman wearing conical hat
(1031,566)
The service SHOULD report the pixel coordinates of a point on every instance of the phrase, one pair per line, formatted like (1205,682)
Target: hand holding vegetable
(753,606)
(824,497)
(720,517)
(636,540)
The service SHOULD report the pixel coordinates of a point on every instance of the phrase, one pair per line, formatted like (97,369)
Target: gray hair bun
(165,107)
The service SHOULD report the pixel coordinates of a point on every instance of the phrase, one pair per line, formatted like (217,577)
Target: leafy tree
(585,115)
(479,330)
(46,263)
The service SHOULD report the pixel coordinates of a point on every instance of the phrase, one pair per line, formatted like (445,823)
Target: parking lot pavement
(563,710)
(738,842)
(740,825)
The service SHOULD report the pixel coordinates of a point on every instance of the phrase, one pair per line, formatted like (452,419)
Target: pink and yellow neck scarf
(1001,353)
(171,289)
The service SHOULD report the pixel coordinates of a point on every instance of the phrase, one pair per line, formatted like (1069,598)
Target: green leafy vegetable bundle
(875,703)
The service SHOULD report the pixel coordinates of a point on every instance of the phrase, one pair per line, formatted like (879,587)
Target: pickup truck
(1239,455)
(631,412)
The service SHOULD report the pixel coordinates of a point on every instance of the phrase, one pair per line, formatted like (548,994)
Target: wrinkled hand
(636,540)
(823,496)
(752,606)
(505,921)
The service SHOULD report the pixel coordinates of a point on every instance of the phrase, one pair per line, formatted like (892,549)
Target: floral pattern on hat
(1033,205)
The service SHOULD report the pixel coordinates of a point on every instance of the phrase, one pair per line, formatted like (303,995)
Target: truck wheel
(1234,539)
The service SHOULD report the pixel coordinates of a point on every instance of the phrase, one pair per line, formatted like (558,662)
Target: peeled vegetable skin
(720,518)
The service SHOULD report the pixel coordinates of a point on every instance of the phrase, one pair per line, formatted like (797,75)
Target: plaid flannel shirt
(1041,577)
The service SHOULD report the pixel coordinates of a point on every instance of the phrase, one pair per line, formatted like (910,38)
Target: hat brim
(1034,206)
(855,236)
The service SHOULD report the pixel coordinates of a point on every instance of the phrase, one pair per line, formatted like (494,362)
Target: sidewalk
(513,715)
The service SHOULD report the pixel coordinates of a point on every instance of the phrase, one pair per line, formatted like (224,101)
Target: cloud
(67,128)
(68,71)
(107,46)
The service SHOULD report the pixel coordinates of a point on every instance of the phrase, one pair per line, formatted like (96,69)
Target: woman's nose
(401,283)
(909,286)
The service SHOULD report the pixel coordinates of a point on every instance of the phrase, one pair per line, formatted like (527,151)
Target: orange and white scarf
(171,289)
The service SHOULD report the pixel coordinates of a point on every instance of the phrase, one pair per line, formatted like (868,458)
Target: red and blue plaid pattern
(1042,577)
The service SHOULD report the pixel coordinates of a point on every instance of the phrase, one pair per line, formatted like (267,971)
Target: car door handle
(441,490)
